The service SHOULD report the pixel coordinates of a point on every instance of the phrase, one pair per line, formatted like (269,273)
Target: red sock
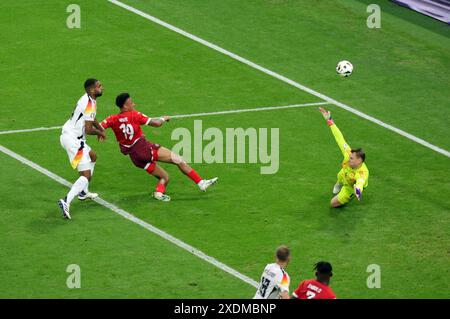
(160,188)
(194,176)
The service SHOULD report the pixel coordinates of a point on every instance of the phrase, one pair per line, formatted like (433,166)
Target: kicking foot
(337,188)
(64,208)
(205,183)
(162,197)
(83,195)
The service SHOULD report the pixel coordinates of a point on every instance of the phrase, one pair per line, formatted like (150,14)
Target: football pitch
(248,55)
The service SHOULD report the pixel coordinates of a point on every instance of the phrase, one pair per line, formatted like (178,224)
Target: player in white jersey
(275,280)
(73,140)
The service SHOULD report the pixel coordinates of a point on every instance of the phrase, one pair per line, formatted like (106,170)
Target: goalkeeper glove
(358,193)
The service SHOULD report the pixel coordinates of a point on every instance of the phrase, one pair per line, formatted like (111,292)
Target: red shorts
(143,154)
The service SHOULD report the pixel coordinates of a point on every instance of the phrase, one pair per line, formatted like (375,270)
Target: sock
(80,184)
(86,189)
(194,176)
(160,188)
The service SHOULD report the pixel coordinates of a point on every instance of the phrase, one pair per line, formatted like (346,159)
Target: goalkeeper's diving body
(353,177)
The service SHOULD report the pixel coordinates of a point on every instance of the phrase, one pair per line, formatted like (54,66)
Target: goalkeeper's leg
(340,182)
(343,197)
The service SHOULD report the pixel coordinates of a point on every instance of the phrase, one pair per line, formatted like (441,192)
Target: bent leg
(167,156)
(162,176)
(343,197)
(163,180)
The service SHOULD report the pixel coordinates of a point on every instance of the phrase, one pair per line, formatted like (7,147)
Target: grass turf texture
(402,224)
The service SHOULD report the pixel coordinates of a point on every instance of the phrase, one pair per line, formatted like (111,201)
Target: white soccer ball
(344,68)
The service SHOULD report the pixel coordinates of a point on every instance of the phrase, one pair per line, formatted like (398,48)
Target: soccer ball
(344,68)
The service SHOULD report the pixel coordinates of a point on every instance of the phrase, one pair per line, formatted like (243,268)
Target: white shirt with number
(84,111)
(274,281)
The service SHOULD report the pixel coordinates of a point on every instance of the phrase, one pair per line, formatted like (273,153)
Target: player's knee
(335,203)
(177,159)
(86,174)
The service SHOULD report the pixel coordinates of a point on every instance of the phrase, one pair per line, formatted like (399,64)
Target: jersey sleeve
(106,123)
(361,179)
(345,148)
(143,119)
(298,292)
(89,110)
(284,282)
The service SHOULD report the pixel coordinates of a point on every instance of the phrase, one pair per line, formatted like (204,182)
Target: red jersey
(313,289)
(126,126)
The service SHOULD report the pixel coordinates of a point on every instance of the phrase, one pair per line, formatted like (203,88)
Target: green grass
(401,77)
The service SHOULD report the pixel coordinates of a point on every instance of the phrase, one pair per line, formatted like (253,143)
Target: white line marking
(267,108)
(136,220)
(258,109)
(31,130)
(280,77)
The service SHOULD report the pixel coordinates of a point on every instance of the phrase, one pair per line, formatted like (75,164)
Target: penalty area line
(257,109)
(134,219)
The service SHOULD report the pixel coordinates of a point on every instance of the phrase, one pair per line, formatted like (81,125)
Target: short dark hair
(323,268)
(121,99)
(89,83)
(360,153)
(283,253)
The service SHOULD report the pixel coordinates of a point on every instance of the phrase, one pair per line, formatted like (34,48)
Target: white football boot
(337,188)
(162,197)
(205,183)
(83,196)
(64,208)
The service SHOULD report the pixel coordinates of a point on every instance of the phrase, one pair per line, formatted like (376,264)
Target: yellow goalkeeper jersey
(349,176)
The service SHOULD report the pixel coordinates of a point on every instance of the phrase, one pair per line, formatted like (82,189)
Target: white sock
(80,184)
(86,189)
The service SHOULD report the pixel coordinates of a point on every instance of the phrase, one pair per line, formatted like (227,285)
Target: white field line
(31,130)
(134,219)
(280,77)
(267,108)
(258,109)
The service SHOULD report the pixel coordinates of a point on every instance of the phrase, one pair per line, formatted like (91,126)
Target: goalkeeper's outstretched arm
(345,148)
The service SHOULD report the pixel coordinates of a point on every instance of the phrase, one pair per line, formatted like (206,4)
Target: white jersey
(274,280)
(85,110)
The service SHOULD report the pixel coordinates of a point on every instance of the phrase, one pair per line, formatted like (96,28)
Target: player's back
(126,126)
(274,280)
(313,289)
(85,109)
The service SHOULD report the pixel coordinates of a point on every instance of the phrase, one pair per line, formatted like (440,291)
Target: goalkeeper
(353,177)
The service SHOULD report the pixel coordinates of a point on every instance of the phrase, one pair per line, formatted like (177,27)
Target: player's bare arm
(97,125)
(284,295)
(90,129)
(157,122)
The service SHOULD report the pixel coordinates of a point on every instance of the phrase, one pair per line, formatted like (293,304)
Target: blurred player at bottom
(275,280)
(127,129)
(318,288)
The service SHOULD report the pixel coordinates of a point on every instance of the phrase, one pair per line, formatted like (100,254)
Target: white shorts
(78,152)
